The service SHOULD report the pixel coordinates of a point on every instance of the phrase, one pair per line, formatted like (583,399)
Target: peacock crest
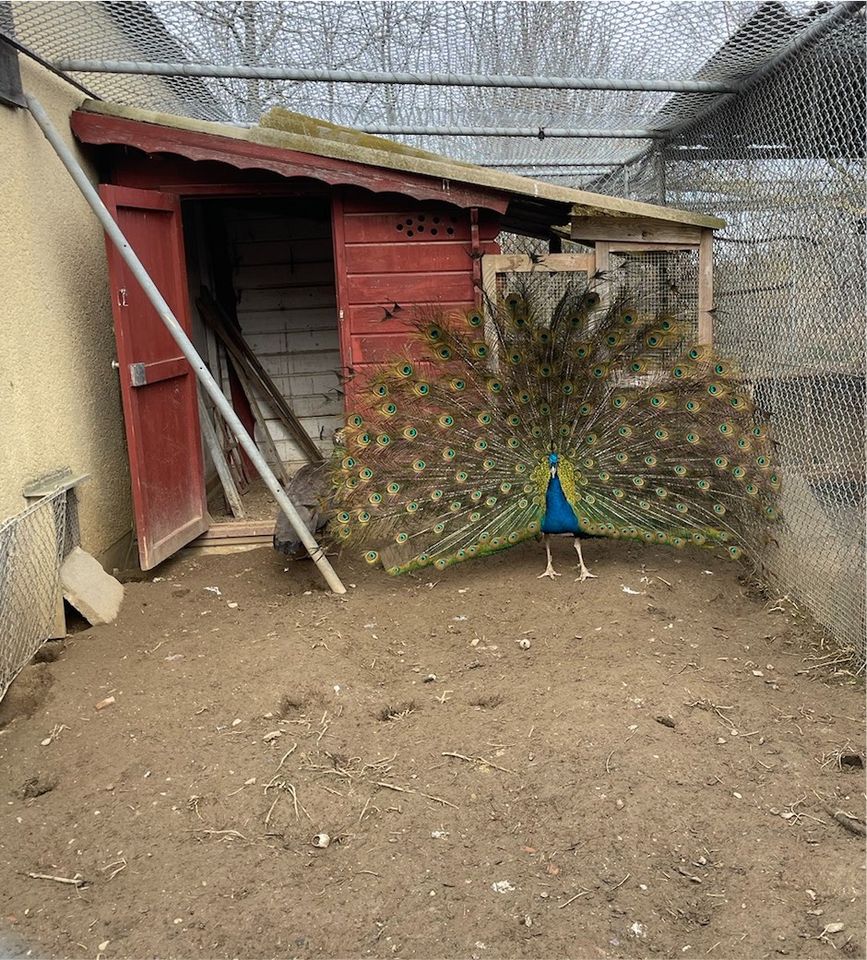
(654,438)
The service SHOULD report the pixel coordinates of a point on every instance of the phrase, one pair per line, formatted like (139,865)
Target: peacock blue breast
(559,515)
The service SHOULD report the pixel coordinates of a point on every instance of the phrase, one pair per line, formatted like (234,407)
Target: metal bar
(317,554)
(539,133)
(244,72)
(22,48)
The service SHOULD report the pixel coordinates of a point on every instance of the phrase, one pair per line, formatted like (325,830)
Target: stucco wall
(59,396)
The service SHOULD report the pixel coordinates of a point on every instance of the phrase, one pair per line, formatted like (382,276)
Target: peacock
(589,417)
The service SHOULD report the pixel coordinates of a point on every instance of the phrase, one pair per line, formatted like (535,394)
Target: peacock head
(553,460)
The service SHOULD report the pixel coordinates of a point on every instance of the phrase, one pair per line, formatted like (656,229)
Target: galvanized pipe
(183,341)
(243,72)
(539,133)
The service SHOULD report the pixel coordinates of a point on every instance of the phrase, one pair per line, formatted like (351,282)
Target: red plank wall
(394,250)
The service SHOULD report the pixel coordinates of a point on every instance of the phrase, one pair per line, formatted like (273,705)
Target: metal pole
(244,72)
(184,343)
(539,133)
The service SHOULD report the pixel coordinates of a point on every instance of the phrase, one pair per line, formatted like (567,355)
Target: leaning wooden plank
(270,447)
(240,350)
(233,498)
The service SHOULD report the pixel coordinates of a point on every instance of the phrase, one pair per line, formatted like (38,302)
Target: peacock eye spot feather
(703,485)
(515,358)
(536,432)
(591,439)
(618,402)
(694,354)
(480,350)
(446,420)
(625,430)
(734,552)
(622,457)
(513,443)
(418,465)
(375,498)
(474,319)
(412,506)
(585,409)
(436,495)
(721,462)
(402,537)
(365,473)
(719,509)
(457,385)
(650,460)
(383,440)
(381,390)
(661,492)
(422,389)
(348,463)
(389,409)
(564,430)
(495,386)
(371,556)
(599,372)
(405,370)
(680,470)
(393,487)
(693,438)
(355,420)
(410,433)
(343,517)
(434,333)
(449,453)
(443,353)
(661,433)
(484,418)
(461,476)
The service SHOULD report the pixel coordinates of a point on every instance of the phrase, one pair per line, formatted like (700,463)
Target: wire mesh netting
(33,545)
(780,156)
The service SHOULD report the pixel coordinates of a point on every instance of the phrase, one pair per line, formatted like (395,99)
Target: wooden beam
(705,288)
(634,230)
(218,457)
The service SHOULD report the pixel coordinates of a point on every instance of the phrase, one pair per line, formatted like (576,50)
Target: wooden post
(705,287)
(209,435)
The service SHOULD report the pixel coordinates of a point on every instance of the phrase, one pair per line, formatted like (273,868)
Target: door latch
(121,297)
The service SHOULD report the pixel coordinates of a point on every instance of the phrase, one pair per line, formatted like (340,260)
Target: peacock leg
(585,574)
(549,570)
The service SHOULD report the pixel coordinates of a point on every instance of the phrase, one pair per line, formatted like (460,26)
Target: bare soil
(655,776)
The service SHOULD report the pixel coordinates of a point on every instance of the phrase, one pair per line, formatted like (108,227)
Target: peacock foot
(550,572)
(585,575)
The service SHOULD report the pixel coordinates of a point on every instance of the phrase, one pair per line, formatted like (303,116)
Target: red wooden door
(158,385)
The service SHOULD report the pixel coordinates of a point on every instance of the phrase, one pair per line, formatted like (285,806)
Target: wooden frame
(492,264)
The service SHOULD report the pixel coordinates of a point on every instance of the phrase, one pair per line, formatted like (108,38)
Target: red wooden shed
(315,244)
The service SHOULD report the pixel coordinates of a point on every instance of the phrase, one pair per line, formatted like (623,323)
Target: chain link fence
(33,545)
(784,165)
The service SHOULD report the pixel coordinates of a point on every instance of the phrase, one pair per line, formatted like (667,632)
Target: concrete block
(95,594)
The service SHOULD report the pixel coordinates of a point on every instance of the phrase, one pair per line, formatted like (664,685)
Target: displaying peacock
(590,418)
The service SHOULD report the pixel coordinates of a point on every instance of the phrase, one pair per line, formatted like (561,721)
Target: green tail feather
(447,459)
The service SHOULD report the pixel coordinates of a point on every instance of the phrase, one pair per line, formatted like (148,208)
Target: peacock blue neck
(559,515)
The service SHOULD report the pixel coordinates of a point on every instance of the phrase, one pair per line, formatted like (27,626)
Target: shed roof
(532,200)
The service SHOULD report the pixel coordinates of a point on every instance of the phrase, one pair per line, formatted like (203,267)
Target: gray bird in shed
(307,490)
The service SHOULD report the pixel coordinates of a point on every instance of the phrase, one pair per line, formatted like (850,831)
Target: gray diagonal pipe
(317,554)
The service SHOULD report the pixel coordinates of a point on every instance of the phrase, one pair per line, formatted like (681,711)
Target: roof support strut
(317,554)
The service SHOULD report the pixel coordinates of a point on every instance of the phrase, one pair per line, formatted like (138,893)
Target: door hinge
(340,316)
(121,297)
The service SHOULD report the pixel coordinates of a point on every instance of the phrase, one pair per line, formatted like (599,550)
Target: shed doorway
(266,266)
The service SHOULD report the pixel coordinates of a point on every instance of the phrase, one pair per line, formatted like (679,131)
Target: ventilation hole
(409,233)
(436,219)
(408,221)
(433,231)
(400,226)
(421,228)
(449,231)
(421,218)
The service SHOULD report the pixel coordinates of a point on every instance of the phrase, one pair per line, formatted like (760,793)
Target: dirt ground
(655,776)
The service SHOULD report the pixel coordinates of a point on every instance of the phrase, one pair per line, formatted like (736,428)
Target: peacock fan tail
(448,459)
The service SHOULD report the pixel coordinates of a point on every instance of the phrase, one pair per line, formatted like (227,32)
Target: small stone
(107,702)
(430,678)
(619,804)
(272,736)
(524,643)
(475,642)
(502,886)
(721,740)
(232,605)
(832,928)
(103,945)
(758,673)
(737,795)
(236,721)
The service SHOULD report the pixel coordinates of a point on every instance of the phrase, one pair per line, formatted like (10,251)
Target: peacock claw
(585,575)
(550,572)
